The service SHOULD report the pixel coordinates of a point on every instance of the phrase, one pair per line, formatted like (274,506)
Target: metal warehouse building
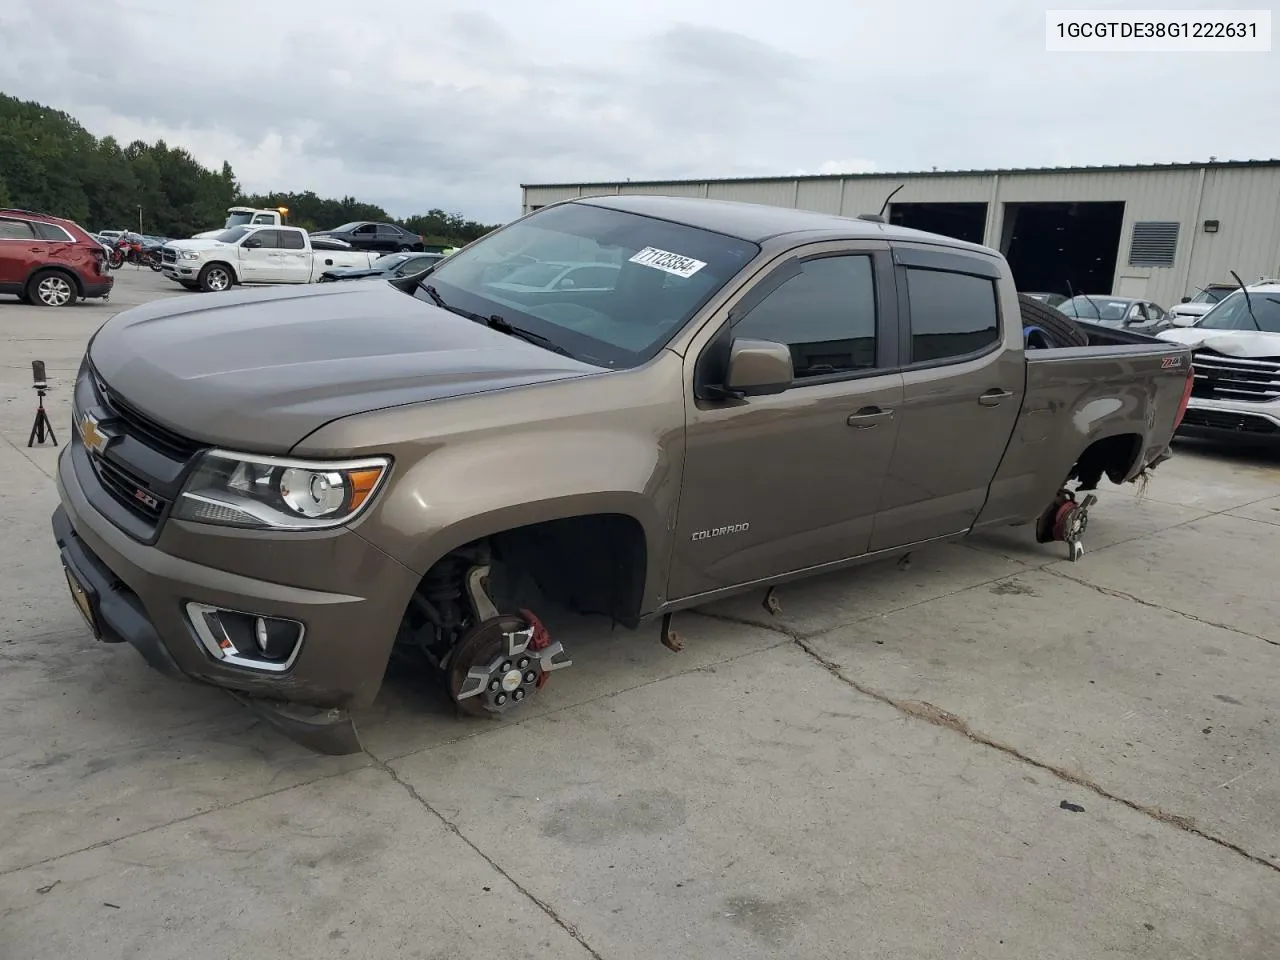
(1159,231)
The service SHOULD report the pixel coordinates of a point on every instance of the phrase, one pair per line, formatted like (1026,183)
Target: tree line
(50,163)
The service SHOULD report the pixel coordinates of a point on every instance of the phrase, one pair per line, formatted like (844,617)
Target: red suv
(48,261)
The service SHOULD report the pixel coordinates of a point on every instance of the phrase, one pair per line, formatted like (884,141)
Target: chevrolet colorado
(271,492)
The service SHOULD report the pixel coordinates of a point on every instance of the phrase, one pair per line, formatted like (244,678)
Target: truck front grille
(168,256)
(139,425)
(1219,377)
(130,491)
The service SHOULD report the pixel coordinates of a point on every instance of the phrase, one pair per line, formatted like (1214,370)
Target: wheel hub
(501,662)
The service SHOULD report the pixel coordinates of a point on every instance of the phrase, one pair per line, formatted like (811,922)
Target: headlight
(189,254)
(274,493)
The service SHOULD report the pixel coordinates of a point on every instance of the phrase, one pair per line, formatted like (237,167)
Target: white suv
(1237,366)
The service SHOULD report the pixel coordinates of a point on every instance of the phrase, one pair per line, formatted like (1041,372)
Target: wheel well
(1112,456)
(69,274)
(592,564)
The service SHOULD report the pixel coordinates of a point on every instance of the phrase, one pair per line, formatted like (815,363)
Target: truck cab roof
(758,223)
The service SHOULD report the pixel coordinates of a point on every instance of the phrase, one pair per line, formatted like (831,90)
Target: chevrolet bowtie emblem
(94,439)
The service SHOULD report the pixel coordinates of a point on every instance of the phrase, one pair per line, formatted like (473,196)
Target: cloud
(455,106)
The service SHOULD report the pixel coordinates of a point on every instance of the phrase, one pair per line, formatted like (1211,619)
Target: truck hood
(1249,344)
(258,370)
(198,244)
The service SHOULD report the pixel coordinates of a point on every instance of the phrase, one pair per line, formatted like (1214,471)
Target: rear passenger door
(962,390)
(293,259)
(18,253)
(783,482)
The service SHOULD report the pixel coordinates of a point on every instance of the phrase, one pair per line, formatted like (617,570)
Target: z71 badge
(1170,363)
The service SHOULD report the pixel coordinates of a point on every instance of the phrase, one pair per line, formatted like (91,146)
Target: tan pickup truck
(271,490)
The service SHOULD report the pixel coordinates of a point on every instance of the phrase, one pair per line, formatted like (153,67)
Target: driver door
(258,261)
(779,483)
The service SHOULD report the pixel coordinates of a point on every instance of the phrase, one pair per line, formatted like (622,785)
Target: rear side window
(16,230)
(51,231)
(953,315)
(291,240)
(826,314)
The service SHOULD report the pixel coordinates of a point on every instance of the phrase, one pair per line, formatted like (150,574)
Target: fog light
(246,639)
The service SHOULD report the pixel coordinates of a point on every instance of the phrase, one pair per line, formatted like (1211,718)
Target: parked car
(399,463)
(1192,308)
(252,255)
(388,267)
(49,261)
(366,235)
(1236,395)
(1052,299)
(1132,313)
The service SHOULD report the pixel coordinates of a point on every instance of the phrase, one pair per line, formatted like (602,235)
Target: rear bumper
(99,287)
(140,592)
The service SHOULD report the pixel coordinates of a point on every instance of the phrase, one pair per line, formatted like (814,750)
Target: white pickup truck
(245,217)
(253,254)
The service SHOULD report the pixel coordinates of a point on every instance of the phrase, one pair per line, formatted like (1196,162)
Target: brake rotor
(500,663)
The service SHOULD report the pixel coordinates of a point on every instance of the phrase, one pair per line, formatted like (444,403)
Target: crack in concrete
(929,713)
(217,808)
(1121,595)
(449,825)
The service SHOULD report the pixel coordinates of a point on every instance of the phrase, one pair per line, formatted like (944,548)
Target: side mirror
(1185,300)
(251,243)
(1182,320)
(758,368)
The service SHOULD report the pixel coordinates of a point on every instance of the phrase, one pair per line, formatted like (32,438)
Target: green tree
(49,162)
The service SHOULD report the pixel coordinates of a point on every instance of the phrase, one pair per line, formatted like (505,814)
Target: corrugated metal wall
(1245,201)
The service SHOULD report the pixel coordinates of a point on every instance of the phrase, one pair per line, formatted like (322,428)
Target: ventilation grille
(1154,244)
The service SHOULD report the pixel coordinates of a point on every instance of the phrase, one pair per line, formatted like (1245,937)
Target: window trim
(950,262)
(778,272)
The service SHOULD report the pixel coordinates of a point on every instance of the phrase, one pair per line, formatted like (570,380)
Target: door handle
(993,397)
(868,417)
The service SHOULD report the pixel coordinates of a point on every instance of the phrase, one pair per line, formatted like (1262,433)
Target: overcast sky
(437,103)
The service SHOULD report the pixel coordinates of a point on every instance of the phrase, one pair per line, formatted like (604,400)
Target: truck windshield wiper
(501,324)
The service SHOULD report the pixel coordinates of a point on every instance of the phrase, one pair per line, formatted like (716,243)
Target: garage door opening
(1062,247)
(964,221)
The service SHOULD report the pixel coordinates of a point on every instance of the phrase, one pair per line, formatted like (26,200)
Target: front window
(389,261)
(1232,313)
(663,274)
(238,220)
(232,235)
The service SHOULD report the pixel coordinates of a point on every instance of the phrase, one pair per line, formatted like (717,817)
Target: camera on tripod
(42,426)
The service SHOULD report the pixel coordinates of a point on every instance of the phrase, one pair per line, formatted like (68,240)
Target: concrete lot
(876,772)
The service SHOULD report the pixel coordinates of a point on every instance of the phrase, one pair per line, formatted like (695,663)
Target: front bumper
(139,593)
(1239,421)
(181,270)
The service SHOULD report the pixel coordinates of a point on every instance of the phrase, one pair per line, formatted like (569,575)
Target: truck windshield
(1233,313)
(236,219)
(232,235)
(660,274)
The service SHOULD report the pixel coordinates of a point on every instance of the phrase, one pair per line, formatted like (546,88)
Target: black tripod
(41,425)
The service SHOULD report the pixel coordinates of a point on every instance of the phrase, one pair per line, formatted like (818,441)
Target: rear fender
(1076,398)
